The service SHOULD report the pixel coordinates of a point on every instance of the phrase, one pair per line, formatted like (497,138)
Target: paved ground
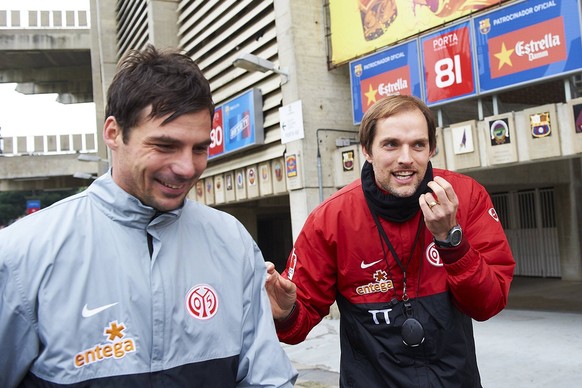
(535,342)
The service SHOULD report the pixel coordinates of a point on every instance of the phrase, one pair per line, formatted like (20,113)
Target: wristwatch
(453,239)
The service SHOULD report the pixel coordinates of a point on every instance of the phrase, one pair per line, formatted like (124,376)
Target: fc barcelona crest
(484,26)
(540,125)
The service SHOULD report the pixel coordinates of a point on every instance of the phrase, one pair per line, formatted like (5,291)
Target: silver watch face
(456,236)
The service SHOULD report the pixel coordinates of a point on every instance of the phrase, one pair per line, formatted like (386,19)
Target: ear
(432,153)
(112,134)
(367,155)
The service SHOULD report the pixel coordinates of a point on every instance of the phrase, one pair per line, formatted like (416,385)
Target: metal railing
(48,144)
(44,19)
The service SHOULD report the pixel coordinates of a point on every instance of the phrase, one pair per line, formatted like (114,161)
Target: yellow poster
(359,27)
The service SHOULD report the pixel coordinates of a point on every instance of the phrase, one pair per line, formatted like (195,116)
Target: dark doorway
(275,238)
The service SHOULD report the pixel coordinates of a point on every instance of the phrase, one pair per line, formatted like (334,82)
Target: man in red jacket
(410,253)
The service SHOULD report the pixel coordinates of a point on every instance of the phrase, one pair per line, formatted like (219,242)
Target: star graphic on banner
(504,56)
(371,94)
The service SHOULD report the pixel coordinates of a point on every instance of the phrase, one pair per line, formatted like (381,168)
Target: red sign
(448,65)
(392,82)
(216,134)
(534,46)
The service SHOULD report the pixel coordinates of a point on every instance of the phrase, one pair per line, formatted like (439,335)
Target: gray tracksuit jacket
(99,290)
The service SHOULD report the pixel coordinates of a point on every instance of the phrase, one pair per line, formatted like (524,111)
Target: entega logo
(117,347)
(382,284)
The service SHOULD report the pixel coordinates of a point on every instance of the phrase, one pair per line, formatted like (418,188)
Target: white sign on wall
(291,122)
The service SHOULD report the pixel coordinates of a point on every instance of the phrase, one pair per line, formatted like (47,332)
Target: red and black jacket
(339,256)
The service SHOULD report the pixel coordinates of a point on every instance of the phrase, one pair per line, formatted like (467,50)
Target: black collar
(388,206)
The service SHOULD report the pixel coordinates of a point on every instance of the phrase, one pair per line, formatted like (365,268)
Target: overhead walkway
(47,50)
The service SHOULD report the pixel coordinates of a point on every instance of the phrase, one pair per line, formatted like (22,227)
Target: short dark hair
(168,81)
(389,106)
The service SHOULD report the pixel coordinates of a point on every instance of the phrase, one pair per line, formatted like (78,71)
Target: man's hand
(282,292)
(439,207)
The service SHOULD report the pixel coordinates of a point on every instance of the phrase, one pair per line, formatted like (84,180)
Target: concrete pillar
(325,96)
(103,63)
(163,23)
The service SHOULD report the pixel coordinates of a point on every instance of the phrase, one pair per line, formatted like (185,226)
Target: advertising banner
(32,205)
(389,72)
(216,134)
(237,124)
(531,40)
(359,27)
(448,64)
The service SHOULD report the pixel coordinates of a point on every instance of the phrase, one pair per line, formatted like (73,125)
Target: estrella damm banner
(531,40)
(359,27)
(388,72)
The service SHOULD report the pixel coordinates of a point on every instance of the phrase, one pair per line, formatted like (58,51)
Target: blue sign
(528,41)
(238,124)
(32,205)
(389,72)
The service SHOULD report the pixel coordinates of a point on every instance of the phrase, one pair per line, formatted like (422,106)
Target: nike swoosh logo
(87,312)
(364,265)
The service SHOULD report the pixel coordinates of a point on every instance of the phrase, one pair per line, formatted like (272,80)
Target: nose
(405,155)
(184,165)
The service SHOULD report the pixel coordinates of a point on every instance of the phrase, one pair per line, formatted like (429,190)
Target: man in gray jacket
(128,283)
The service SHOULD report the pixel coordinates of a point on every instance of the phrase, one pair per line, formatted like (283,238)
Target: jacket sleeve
(19,342)
(263,362)
(480,279)
(313,268)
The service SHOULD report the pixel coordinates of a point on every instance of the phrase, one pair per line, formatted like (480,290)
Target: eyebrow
(173,141)
(398,140)
(163,138)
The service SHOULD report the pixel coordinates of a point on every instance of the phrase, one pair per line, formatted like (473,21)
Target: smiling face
(400,152)
(159,164)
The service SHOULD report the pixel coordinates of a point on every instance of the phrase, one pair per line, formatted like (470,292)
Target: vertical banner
(448,64)
(393,71)
(461,146)
(229,186)
(252,182)
(265,179)
(240,184)
(219,196)
(216,134)
(540,132)
(501,143)
(200,191)
(278,173)
(209,190)
(528,41)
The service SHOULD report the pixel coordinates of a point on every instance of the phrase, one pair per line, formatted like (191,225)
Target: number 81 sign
(448,64)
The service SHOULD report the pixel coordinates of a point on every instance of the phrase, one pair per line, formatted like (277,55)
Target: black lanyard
(393,251)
